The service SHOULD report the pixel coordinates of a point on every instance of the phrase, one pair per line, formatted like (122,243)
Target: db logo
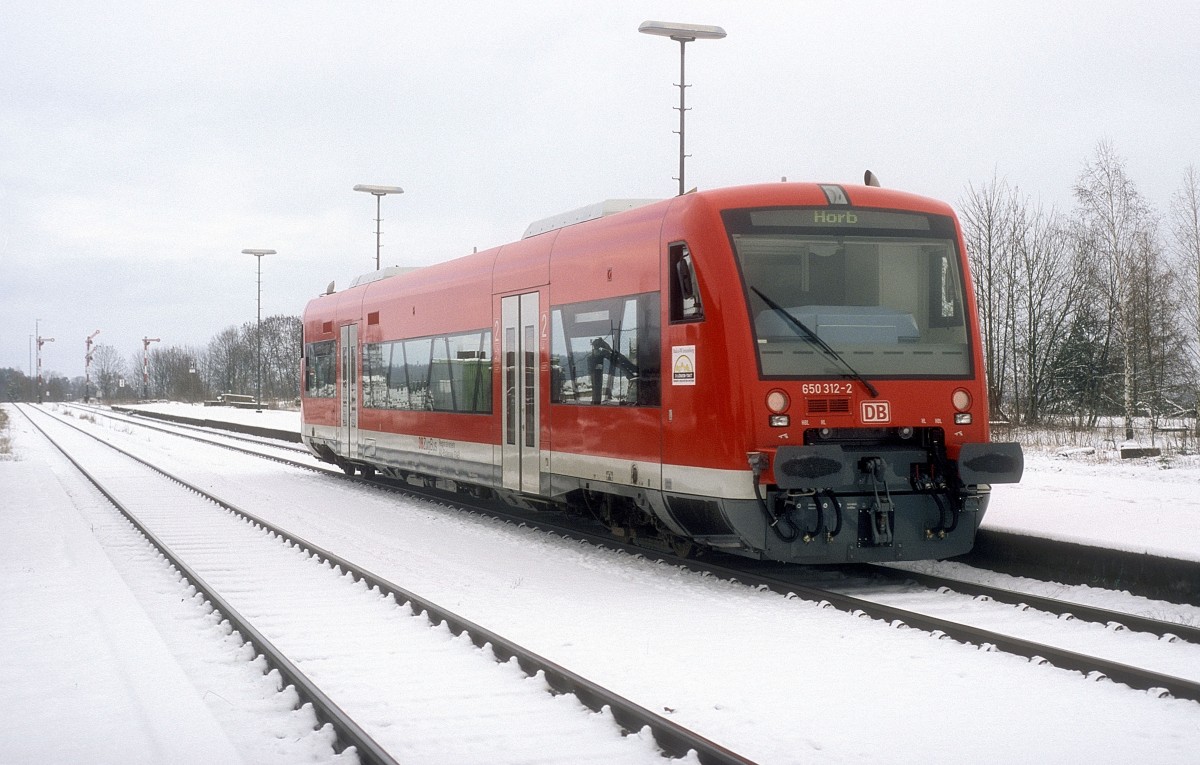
(876,411)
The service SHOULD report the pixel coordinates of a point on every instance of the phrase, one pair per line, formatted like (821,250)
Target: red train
(784,371)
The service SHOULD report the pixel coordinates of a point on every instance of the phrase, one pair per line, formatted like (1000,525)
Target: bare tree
(108,369)
(1159,357)
(175,374)
(281,357)
(229,363)
(988,216)
(1111,216)
(1027,287)
(1185,231)
(1048,287)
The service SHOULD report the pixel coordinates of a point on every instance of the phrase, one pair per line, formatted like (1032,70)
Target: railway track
(860,592)
(338,613)
(856,590)
(181,427)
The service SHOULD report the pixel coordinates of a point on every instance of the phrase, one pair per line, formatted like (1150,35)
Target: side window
(447,373)
(419,354)
(397,379)
(685,290)
(320,378)
(374,373)
(471,371)
(606,352)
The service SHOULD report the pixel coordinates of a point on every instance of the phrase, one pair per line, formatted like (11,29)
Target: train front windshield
(879,291)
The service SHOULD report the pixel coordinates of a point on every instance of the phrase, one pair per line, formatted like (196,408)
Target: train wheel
(367,472)
(347,467)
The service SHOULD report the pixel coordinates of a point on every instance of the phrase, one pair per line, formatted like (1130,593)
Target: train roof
(583,214)
(806,193)
(383,273)
(833,194)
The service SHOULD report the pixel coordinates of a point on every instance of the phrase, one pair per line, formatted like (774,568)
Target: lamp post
(259,254)
(87,367)
(683,34)
(379,192)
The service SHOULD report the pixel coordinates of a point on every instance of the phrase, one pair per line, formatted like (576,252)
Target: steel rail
(674,739)
(1134,677)
(236,427)
(186,423)
(743,571)
(348,732)
(1041,603)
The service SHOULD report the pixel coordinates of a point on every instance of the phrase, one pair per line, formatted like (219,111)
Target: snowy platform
(85,676)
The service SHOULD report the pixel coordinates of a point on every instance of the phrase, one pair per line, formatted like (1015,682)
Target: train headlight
(962,418)
(780,421)
(961,400)
(778,401)
(905,432)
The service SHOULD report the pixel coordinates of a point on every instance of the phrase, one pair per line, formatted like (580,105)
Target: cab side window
(685,290)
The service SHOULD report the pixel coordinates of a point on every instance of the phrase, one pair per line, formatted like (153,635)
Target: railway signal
(87,367)
(146,364)
(40,342)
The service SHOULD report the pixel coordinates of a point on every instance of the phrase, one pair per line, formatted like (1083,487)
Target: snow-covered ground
(87,676)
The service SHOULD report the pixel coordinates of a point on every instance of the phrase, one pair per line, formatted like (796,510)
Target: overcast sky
(143,145)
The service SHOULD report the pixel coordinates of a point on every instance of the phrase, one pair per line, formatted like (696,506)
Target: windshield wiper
(816,340)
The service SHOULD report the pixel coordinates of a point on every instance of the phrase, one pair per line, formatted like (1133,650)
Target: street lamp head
(258,252)
(378,191)
(681,32)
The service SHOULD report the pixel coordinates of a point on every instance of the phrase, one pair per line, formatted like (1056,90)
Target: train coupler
(880,513)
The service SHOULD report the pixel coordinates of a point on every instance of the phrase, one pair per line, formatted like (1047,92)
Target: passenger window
(606,352)
(320,369)
(447,373)
(685,290)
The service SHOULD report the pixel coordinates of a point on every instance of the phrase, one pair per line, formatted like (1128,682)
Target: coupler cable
(811,535)
(758,463)
(942,530)
(837,513)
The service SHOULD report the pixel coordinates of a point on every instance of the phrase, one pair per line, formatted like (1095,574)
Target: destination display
(840,218)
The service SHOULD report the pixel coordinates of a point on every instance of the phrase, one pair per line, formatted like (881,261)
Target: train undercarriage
(853,496)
